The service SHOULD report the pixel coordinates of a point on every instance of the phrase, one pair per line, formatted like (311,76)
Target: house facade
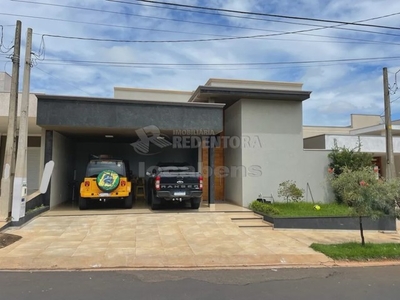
(255,128)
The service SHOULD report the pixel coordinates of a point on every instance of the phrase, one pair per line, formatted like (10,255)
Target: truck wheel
(128,202)
(82,203)
(195,203)
(155,202)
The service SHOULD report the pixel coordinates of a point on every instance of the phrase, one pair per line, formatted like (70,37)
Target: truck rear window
(96,167)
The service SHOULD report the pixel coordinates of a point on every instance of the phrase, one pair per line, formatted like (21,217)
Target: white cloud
(338,89)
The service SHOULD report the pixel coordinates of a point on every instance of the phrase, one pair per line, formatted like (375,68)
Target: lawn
(301,209)
(357,252)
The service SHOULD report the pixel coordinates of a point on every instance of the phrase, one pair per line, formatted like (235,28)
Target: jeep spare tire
(107,180)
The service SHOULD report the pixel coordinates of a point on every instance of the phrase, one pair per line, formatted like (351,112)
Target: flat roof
(229,95)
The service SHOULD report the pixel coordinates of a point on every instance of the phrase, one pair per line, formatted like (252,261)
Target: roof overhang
(229,95)
(96,117)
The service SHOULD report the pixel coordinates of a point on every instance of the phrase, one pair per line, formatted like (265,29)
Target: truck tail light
(87,183)
(201,182)
(123,183)
(158,183)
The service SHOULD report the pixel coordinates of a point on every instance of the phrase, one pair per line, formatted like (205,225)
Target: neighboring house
(34,138)
(261,122)
(368,130)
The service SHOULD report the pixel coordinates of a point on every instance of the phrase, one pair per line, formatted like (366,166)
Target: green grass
(301,209)
(357,252)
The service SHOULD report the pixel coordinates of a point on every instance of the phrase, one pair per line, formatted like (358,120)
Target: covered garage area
(143,133)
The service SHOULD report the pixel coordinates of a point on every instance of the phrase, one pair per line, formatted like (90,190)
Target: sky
(129,43)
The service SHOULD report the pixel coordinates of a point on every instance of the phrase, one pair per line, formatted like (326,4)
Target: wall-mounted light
(109,136)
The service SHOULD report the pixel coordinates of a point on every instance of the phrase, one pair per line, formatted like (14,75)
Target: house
(366,130)
(246,137)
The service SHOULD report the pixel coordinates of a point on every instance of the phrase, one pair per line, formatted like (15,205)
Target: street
(321,283)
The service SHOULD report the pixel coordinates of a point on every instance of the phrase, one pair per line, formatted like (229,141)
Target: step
(251,223)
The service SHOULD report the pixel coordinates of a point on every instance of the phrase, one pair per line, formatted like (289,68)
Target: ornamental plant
(366,195)
(290,192)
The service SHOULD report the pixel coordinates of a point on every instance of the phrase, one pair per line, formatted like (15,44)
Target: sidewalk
(168,240)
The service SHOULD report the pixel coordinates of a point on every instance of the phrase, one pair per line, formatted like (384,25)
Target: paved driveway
(163,240)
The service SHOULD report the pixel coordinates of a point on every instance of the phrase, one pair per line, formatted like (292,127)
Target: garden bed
(330,216)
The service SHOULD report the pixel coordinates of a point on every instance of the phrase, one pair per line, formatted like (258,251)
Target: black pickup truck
(174,182)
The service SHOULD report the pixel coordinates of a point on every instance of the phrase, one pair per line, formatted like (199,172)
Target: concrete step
(251,223)
(247,215)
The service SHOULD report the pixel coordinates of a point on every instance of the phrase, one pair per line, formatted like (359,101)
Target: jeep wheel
(195,203)
(108,181)
(128,202)
(82,203)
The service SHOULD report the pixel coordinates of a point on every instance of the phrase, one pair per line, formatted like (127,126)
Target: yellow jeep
(106,179)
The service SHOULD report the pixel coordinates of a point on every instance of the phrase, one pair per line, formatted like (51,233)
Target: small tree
(367,196)
(289,191)
(352,159)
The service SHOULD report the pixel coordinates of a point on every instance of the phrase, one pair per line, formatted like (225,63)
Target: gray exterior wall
(63,154)
(278,126)
(316,142)
(124,114)
(233,156)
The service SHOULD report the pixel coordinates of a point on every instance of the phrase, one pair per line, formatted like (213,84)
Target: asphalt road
(328,283)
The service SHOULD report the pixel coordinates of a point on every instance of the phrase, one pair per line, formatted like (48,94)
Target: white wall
(63,152)
(372,144)
(278,126)
(233,156)
(151,95)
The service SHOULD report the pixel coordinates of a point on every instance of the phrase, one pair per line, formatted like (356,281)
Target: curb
(338,264)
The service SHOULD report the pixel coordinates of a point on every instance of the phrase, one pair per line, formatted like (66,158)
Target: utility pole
(20,187)
(7,179)
(390,165)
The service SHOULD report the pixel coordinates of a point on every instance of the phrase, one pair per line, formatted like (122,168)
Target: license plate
(104,194)
(179,194)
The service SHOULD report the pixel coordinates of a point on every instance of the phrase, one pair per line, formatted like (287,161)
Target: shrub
(264,208)
(352,159)
(290,191)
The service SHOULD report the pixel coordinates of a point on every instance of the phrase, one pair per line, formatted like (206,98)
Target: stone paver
(168,240)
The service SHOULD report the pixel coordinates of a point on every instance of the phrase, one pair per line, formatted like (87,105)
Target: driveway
(165,240)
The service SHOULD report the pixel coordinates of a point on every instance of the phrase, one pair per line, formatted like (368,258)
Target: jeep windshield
(94,168)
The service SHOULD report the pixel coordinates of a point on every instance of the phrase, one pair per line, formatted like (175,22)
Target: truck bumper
(170,196)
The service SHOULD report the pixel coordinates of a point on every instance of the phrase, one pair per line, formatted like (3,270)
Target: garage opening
(72,153)
(80,128)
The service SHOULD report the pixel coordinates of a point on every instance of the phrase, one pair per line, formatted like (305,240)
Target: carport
(142,132)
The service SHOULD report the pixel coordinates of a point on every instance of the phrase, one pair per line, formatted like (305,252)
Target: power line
(172,31)
(217,14)
(259,14)
(97,62)
(191,40)
(110,25)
